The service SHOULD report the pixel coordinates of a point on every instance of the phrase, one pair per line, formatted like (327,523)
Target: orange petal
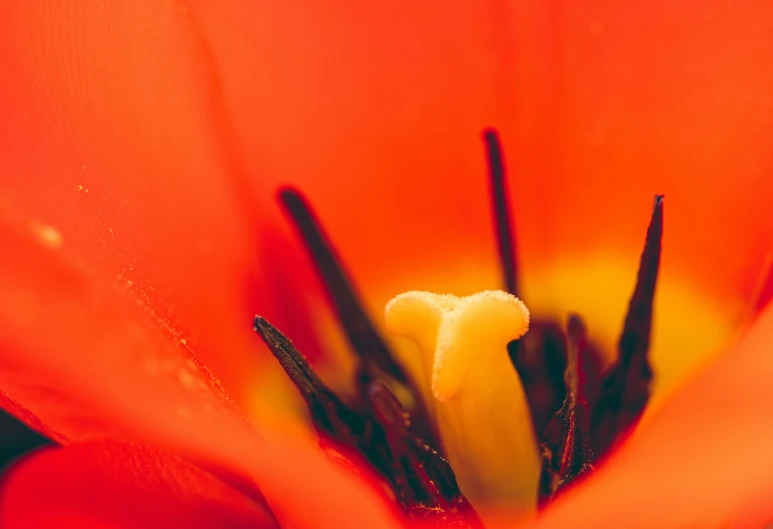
(85,359)
(107,484)
(660,97)
(375,110)
(601,106)
(703,461)
(114,136)
(116,209)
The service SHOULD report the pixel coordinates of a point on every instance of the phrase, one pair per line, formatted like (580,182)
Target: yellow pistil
(479,403)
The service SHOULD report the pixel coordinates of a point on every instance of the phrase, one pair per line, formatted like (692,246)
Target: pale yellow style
(478,401)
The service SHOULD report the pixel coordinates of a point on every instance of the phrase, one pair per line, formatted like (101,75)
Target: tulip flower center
(484,416)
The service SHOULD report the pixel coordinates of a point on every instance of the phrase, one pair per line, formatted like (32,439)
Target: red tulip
(143,142)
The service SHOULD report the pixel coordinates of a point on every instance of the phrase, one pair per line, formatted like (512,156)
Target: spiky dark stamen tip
(329,414)
(626,387)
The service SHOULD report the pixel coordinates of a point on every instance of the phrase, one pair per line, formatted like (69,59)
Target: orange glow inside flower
(461,397)
(127,127)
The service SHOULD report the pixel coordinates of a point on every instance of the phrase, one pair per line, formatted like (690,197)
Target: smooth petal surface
(123,250)
(112,485)
(113,139)
(703,461)
(375,110)
(84,359)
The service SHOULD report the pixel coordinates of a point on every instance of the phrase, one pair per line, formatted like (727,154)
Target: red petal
(107,484)
(87,361)
(114,135)
(703,461)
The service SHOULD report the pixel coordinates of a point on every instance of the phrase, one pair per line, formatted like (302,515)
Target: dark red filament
(375,356)
(500,201)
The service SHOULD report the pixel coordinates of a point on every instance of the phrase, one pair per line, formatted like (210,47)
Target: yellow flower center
(688,326)
(475,396)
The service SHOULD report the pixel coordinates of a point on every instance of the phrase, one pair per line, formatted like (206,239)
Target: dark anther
(330,415)
(565,447)
(358,327)
(378,434)
(500,198)
(539,357)
(425,484)
(377,360)
(626,387)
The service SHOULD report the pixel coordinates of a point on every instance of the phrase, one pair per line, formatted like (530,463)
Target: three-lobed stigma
(480,407)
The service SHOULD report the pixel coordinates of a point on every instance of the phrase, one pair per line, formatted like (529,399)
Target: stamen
(500,198)
(377,359)
(540,358)
(329,414)
(481,410)
(425,483)
(626,388)
(566,449)
(420,478)
(351,314)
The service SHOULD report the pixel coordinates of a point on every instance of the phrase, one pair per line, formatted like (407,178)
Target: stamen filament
(378,361)
(503,219)
(626,388)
